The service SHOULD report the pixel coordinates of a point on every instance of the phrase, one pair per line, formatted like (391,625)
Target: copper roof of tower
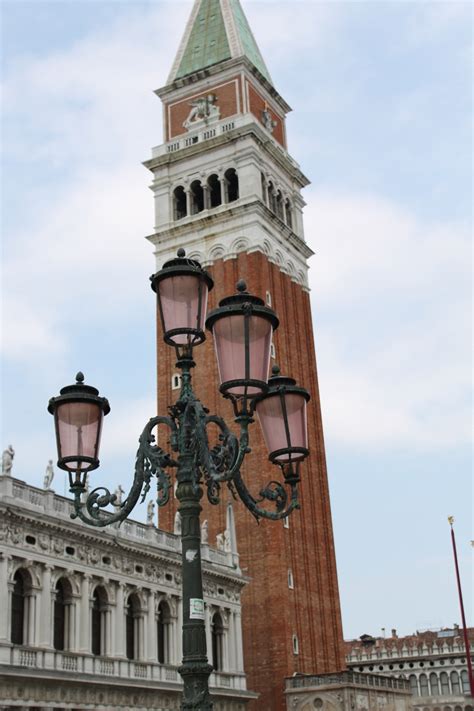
(217,30)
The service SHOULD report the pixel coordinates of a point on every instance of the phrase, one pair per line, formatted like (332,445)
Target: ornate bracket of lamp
(242,327)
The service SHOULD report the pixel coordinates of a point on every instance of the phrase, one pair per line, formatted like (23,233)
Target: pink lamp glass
(278,436)
(229,341)
(79,426)
(184,305)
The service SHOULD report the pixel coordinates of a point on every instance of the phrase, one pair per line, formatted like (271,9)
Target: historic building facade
(228,191)
(433,663)
(91,619)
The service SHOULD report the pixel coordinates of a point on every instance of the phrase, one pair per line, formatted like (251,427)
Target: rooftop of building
(420,641)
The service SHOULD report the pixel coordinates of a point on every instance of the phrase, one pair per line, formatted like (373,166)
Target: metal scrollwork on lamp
(242,327)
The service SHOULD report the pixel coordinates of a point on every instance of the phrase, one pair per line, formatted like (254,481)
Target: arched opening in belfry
(289,214)
(197,197)
(279,205)
(215,191)
(179,199)
(232,185)
(271,197)
(263,182)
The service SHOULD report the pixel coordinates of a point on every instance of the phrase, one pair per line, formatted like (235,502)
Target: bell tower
(227,190)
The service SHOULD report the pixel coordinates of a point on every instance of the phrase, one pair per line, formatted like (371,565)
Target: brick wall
(257,104)
(272,612)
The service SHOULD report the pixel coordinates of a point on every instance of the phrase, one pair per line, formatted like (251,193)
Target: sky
(381,124)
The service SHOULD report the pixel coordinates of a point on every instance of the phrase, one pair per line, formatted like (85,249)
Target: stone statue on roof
(48,475)
(7,460)
(150,512)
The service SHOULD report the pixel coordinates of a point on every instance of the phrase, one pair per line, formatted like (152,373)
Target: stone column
(5,599)
(46,607)
(119,623)
(239,644)
(188,202)
(224,193)
(151,655)
(206,196)
(84,615)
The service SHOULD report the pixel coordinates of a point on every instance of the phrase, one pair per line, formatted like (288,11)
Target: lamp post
(242,327)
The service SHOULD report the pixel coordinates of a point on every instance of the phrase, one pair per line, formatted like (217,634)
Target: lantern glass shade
(183,306)
(78,430)
(243,346)
(282,417)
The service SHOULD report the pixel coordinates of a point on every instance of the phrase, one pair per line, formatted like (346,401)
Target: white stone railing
(56,661)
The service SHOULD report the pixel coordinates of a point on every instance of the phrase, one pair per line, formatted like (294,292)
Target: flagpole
(461,604)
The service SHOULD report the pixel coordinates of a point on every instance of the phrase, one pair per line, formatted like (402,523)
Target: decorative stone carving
(202,109)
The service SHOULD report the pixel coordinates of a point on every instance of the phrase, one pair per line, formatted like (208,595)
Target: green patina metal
(208,43)
(250,48)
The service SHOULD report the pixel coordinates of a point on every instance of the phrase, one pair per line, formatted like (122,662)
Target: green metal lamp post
(242,328)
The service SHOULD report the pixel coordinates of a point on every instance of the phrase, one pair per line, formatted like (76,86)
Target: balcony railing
(348,677)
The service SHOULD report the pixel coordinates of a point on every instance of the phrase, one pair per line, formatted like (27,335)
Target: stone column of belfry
(244,237)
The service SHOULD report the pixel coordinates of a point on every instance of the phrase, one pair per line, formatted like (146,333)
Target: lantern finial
(276,369)
(80,377)
(241,286)
(181,252)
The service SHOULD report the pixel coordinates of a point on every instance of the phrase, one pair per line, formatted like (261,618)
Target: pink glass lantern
(78,414)
(242,328)
(282,416)
(182,289)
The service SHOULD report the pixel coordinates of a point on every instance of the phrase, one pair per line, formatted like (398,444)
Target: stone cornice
(252,129)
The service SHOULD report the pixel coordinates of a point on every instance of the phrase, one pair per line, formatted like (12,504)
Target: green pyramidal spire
(217,30)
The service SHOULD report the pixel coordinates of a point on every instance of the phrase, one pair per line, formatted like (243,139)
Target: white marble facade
(91,619)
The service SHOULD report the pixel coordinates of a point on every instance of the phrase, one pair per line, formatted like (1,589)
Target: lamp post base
(196,695)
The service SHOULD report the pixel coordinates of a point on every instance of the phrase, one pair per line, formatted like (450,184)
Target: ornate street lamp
(242,327)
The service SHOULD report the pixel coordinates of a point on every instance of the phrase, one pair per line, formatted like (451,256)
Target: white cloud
(392,316)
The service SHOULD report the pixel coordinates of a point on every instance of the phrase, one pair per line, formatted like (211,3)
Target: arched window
(217,631)
(163,633)
(424,691)
(215,191)
(413,684)
(62,613)
(19,633)
(132,627)
(180,206)
(197,197)
(465,682)
(444,679)
(232,185)
(289,214)
(455,688)
(434,684)
(279,205)
(99,621)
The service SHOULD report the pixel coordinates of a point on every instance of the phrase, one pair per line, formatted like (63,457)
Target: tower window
(264,188)
(273,351)
(215,192)
(179,201)
(268,298)
(232,185)
(175,381)
(197,197)
(286,522)
(271,197)
(296,646)
(291,582)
